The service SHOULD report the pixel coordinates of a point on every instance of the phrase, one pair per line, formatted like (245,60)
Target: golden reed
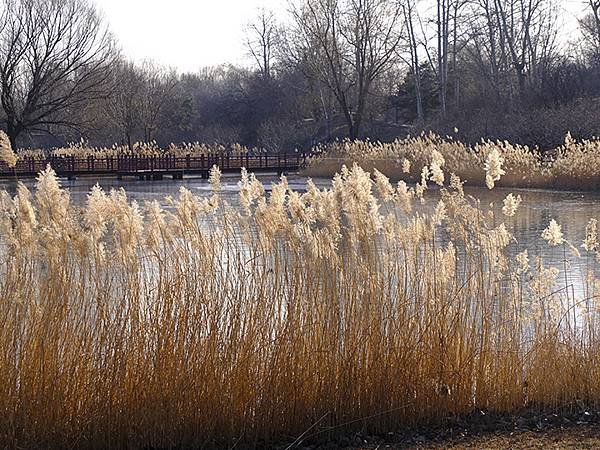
(204,324)
(574,165)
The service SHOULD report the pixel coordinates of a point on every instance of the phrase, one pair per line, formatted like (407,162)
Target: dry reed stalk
(83,150)
(574,165)
(206,325)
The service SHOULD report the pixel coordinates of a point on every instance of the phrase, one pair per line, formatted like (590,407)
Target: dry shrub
(201,324)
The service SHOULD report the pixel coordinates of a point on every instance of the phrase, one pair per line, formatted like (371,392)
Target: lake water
(572,210)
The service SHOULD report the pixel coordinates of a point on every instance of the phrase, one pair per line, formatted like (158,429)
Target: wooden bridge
(154,167)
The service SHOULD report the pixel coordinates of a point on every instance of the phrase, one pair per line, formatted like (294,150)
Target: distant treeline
(378,69)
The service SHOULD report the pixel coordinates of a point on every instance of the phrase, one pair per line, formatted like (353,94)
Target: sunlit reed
(290,314)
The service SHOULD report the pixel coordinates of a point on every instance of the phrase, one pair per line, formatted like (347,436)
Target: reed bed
(574,165)
(83,150)
(290,317)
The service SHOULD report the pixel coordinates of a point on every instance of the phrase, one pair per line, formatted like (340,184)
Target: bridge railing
(140,163)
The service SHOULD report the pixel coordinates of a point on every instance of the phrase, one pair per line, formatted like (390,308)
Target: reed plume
(201,323)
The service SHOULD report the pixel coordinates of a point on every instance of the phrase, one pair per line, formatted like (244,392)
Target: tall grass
(574,165)
(295,314)
(82,150)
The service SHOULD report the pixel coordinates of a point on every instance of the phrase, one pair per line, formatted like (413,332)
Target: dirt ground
(581,437)
(574,427)
(587,437)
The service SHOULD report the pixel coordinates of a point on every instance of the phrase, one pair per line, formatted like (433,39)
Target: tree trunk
(13,141)
(416,70)
(357,124)
(439,57)
(454,59)
(596,11)
(442,41)
(352,134)
(13,131)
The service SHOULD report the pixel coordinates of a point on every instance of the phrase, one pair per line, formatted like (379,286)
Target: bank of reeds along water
(291,317)
(83,150)
(574,165)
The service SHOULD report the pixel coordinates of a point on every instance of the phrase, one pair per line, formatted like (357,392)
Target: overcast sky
(190,34)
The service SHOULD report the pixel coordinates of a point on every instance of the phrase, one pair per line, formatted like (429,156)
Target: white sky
(190,34)
(185,34)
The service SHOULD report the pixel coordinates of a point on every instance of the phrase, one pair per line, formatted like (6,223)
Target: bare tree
(300,56)
(158,86)
(409,14)
(514,41)
(355,42)
(443,33)
(262,38)
(590,28)
(139,95)
(595,7)
(124,104)
(448,22)
(459,26)
(54,55)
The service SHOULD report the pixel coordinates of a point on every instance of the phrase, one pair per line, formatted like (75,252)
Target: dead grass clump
(83,150)
(403,160)
(202,324)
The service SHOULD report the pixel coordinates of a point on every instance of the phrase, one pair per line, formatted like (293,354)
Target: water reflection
(572,210)
(142,191)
